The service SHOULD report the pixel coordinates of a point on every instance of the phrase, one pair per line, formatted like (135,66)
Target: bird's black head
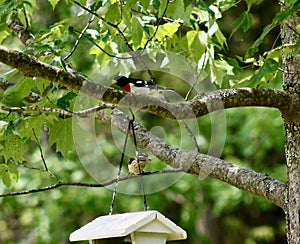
(131,160)
(120,81)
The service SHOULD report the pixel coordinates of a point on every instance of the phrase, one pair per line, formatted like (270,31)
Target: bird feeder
(139,228)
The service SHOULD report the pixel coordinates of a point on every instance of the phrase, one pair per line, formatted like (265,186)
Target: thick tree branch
(187,161)
(200,164)
(20,30)
(193,162)
(200,105)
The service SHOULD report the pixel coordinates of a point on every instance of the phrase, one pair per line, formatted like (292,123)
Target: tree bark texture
(201,105)
(291,84)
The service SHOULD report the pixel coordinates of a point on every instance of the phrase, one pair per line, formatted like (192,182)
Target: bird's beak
(114,82)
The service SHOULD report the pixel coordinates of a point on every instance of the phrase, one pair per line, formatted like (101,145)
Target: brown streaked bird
(133,167)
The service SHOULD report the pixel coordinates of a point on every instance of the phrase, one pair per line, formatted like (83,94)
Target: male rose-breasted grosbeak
(133,167)
(138,85)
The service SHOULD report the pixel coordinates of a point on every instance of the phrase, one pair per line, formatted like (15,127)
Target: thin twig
(79,184)
(294,30)
(191,134)
(40,148)
(24,165)
(150,39)
(94,13)
(196,80)
(21,31)
(25,15)
(43,158)
(116,26)
(98,46)
(79,37)
(92,41)
(121,33)
(187,128)
(121,12)
(158,24)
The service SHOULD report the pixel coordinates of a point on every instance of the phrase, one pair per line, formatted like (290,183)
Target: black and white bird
(138,85)
(133,164)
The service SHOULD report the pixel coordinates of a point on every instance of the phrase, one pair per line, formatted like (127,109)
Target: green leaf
(156,4)
(145,3)
(9,6)
(223,65)
(221,38)
(102,58)
(270,66)
(14,148)
(171,28)
(247,22)
(42,84)
(290,2)
(14,95)
(187,3)
(220,68)
(60,133)
(64,101)
(14,173)
(197,40)
(137,30)
(35,123)
(238,22)
(244,21)
(113,13)
(8,173)
(168,29)
(178,11)
(131,3)
(3,35)
(162,7)
(53,3)
(279,17)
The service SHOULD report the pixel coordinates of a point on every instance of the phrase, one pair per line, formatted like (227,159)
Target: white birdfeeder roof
(146,224)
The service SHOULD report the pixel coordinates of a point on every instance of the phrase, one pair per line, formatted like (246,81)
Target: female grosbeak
(133,164)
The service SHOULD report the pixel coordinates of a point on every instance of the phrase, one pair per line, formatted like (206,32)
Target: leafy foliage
(8,173)
(244,21)
(280,16)
(13,148)
(59,133)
